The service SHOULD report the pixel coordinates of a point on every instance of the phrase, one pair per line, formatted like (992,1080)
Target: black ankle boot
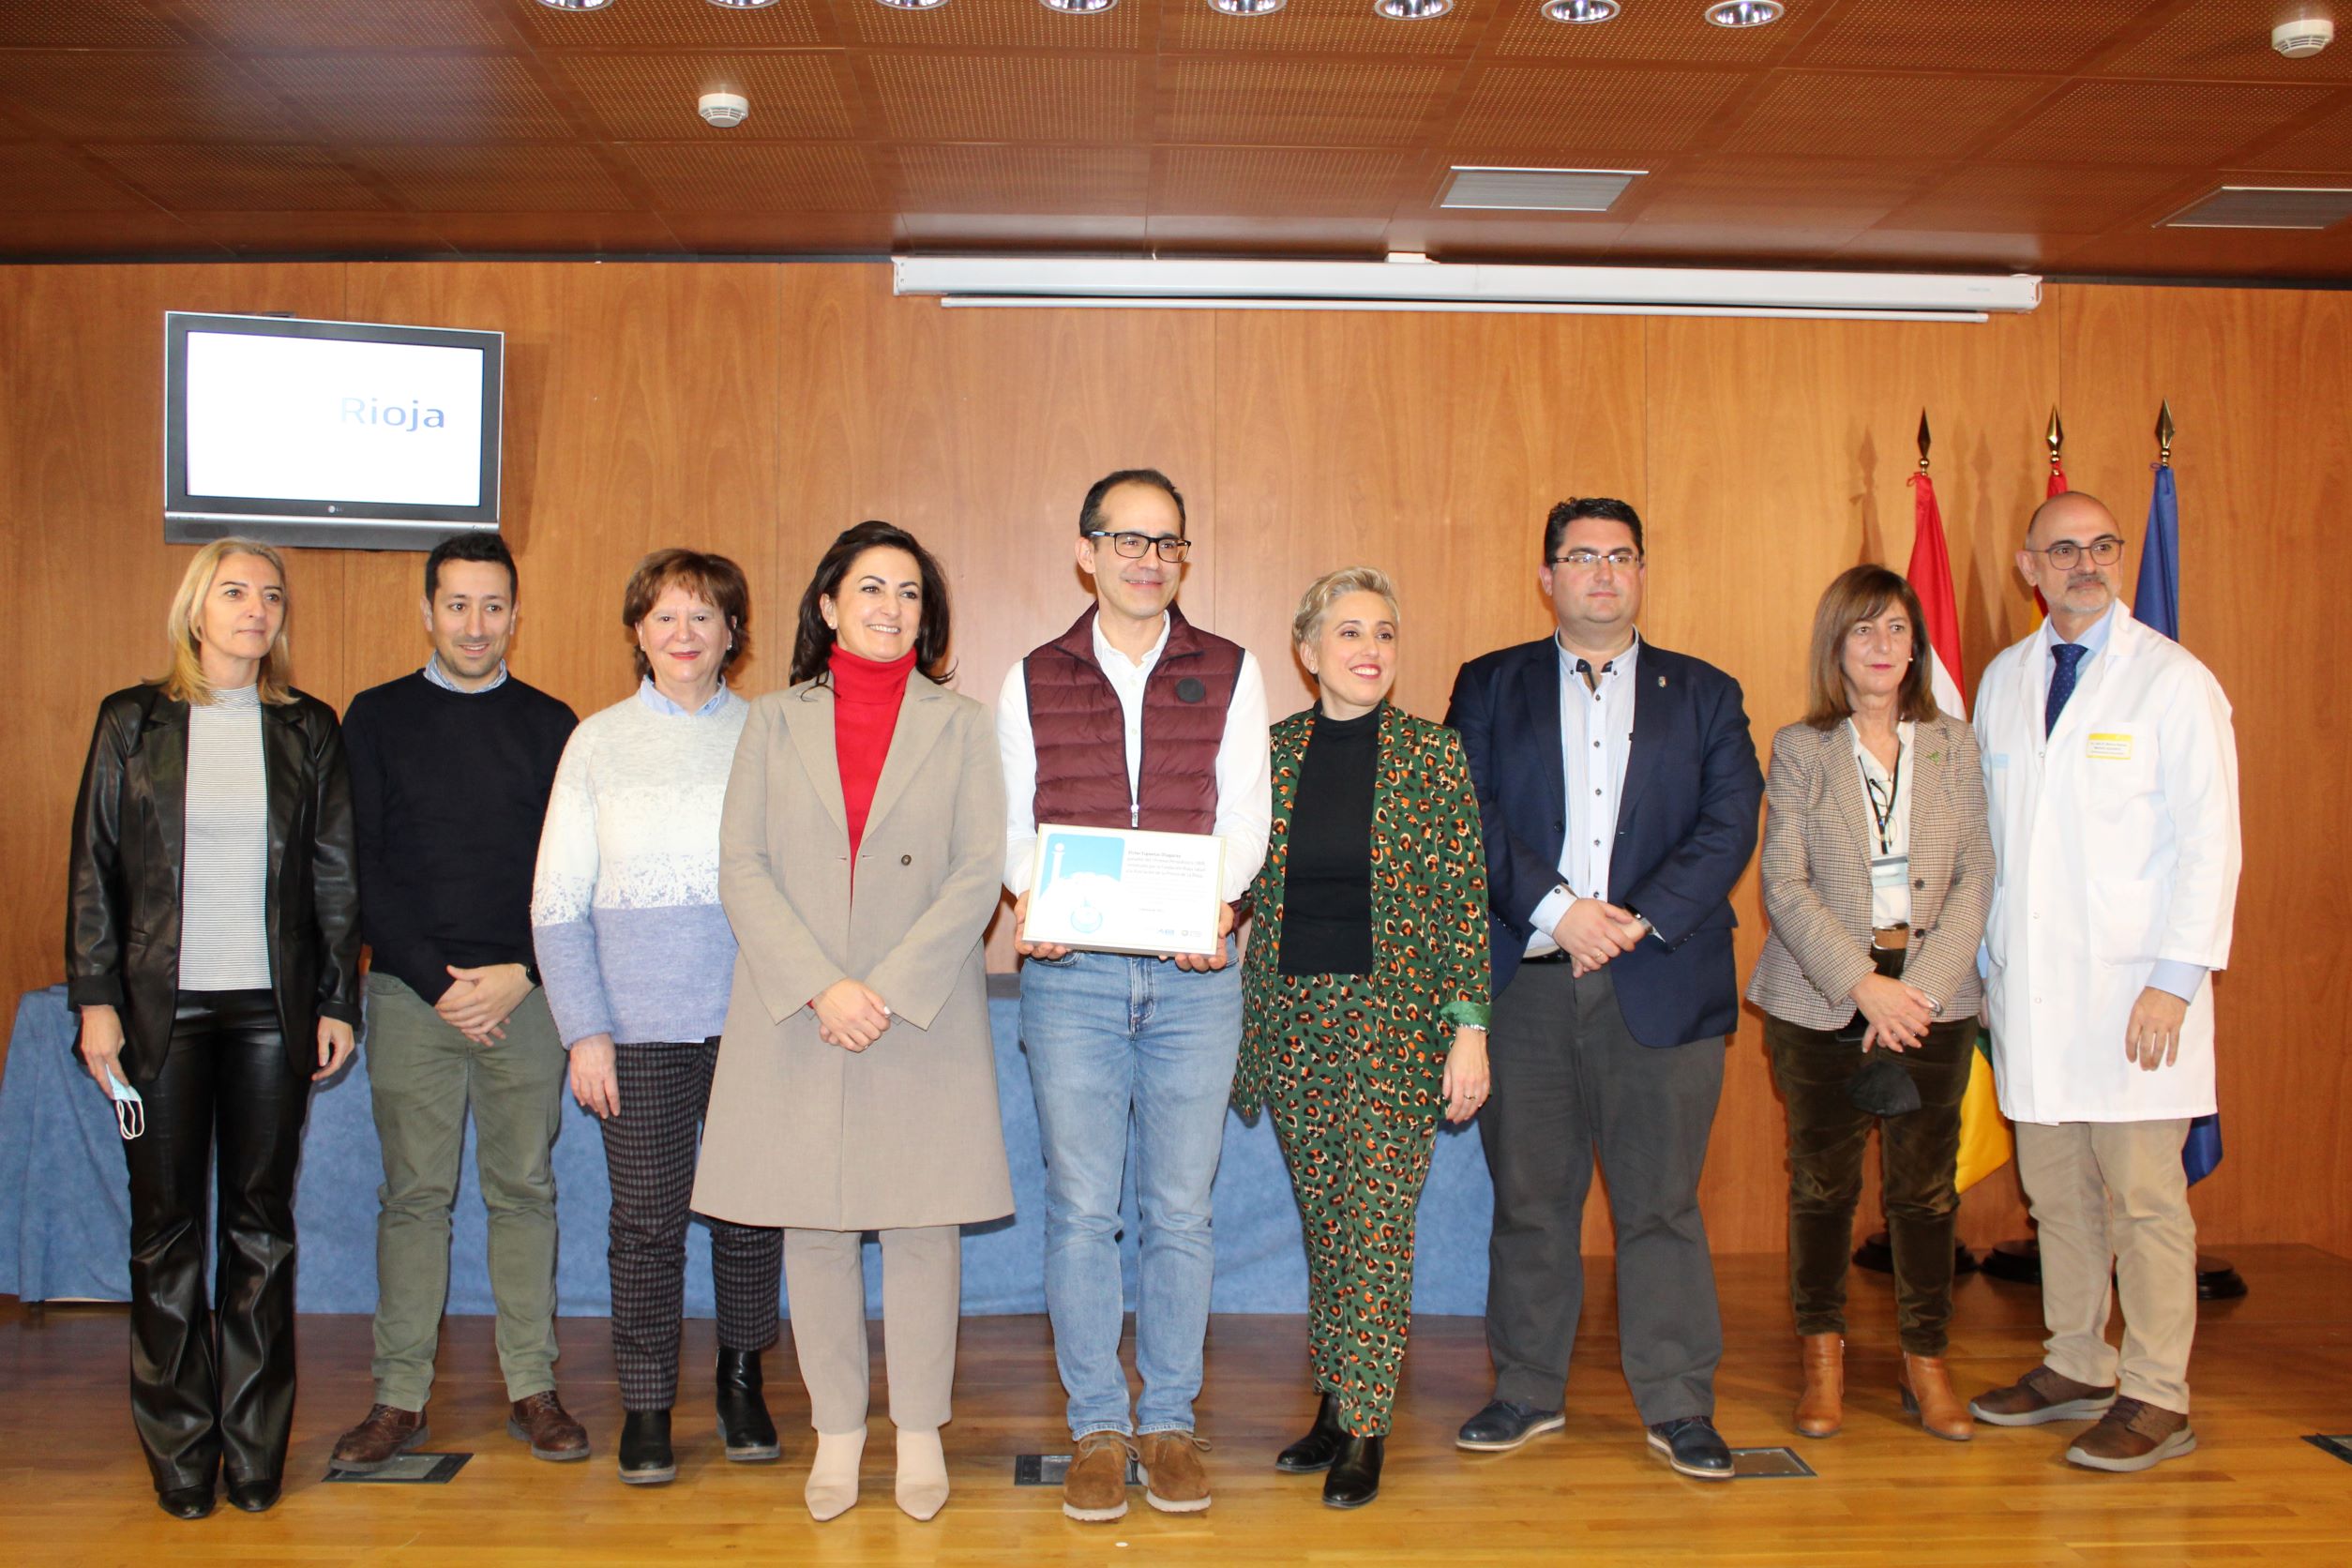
(645,1457)
(1319,1447)
(1355,1474)
(743,1425)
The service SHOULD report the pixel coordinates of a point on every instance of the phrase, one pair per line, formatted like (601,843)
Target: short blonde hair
(185,681)
(1329,589)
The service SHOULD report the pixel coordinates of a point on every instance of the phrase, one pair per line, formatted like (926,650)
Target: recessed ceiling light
(912,4)
(575,5)
(1746,13)
(1248,8)
(1411,10)
(742,5)
(1581,11)
(1077,8)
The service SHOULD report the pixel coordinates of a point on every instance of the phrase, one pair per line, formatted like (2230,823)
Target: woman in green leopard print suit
(1365,1000)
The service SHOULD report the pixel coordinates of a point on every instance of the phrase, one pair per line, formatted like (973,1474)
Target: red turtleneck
(866,699)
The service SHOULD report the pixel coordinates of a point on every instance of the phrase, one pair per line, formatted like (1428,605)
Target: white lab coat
(2116,845)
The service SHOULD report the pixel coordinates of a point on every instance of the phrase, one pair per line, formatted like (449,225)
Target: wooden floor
(2269,1370)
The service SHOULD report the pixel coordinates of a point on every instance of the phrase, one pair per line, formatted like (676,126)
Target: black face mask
(1883,1087)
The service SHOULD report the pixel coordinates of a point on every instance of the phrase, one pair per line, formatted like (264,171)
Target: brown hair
(1863,593)
(713,578)
(185,681)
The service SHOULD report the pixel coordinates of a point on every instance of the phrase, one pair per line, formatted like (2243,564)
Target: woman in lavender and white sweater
(637,957)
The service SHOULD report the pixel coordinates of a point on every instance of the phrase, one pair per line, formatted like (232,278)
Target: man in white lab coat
(2111,773)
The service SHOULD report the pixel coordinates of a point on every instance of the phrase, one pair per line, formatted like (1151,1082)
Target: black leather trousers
(212,1382)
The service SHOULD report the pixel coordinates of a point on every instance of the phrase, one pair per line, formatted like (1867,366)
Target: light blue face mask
(130,1111)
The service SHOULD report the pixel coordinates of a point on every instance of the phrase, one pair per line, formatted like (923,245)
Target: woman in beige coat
(859,854)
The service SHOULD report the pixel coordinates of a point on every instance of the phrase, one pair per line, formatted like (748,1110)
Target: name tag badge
(2108,745)
(1889,872)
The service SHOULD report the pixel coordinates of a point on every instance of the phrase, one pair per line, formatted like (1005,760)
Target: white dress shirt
(1244,775)
(1890,897)
(1596,735)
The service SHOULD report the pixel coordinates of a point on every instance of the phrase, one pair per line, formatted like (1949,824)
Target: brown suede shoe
(375,1442)
(1173,1479)
(2134,1435)
(542,1422)
(1094,1488)
(1821,1408)
(2038,1397)
(1926,1387)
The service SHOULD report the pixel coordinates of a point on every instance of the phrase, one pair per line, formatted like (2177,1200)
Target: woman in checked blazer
(1877,871)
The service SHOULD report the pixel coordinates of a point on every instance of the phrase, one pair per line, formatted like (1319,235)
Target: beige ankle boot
(832,1487)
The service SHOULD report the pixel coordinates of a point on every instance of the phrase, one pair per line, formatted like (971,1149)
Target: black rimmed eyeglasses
(1134,545)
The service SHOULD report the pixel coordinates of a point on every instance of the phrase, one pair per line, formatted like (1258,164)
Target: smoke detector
(2303,36)
(724,109)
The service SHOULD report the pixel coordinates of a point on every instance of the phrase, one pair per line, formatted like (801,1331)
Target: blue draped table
(65,1212)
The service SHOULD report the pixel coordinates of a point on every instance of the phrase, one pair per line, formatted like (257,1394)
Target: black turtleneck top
(1327,892)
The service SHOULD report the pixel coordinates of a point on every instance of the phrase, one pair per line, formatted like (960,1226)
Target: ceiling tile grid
(211,176)
(993,25)
(2222,38)
(671,24)
(2165,122)
(1563,114)
(496,176)
(325,25)
(84,24)
(794,97)
(127,96)
(1316,103)
(1016,178)
(1007,97)
(1676,33)
(1855,115)
(1972,35)
(766,177)
(1325,27)
(424,97)
(35,178)
(1203,182)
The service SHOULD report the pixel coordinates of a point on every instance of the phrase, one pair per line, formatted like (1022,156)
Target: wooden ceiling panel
(766,177)
(84,24)
(1863,116)
(797,233)
(2324,143)
(1335,239)
(35,178)
(1972,35)
(1809,193)
(1301,103)
(2155,123)
(1677,34)
(2051,199)
(992,24)
(969,178)
(1205,182)
(213,176)
(127,96)
(541,234)
(378,98)
(673,24)
(321,233)
(266,25)
(1556,115)
(509,176)
(1008,98)
(29,236)
(951,232)
(652,97)
(2224,38)
(1324,27)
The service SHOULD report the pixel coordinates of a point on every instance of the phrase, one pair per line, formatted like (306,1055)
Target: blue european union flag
(2156,604)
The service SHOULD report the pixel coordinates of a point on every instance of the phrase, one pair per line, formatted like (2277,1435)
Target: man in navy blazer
(1619,790)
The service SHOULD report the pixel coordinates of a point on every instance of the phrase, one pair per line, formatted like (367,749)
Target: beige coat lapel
(1845,789)
(808,720)
(922,716)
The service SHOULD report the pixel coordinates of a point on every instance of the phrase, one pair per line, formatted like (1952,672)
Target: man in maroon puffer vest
(1133,718)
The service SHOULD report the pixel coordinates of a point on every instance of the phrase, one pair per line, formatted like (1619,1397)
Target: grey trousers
(824,1279)
(1571,1084)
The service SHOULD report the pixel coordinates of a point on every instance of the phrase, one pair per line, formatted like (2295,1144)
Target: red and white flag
(1930,572)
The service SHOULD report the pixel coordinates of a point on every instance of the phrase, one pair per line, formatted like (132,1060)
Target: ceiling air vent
(2265,206)
(1538,190)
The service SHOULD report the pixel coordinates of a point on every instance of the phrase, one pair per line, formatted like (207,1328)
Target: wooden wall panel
(758,409)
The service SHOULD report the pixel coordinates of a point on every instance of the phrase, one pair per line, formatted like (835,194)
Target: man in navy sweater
(1618,789)
(451,768)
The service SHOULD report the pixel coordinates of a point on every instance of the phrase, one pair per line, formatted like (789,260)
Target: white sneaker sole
(2183,1441)
(1094,1515)
(1665,1452)
(1504,1445)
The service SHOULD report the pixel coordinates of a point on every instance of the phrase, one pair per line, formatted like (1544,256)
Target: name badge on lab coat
(2107,745)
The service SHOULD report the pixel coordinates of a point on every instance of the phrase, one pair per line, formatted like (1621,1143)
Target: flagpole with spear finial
(2055,436)
(2164,435)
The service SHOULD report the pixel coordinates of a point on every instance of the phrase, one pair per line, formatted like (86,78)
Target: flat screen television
(347,434)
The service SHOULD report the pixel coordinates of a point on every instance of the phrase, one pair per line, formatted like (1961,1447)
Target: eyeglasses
(1134,545)
(1584,560)
(2106,550)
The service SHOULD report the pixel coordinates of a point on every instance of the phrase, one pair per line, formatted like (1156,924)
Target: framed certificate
(1123,890)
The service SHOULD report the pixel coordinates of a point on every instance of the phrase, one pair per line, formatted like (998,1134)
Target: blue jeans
(1115,1040)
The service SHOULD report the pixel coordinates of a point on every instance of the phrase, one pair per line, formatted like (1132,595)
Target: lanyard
(1883,806)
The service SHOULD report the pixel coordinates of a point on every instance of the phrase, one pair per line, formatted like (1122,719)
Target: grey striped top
(225,940)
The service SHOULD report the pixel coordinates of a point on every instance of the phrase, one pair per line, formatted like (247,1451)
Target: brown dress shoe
(1173,1479)
(542,1422)
(1094,1488)
(386,1434)
(1927,1394)
(2134,1435)
(2041,1397)
(1821,1408)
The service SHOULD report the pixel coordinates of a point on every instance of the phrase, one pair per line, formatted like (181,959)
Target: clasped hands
(849,1013)
(478,999)
(1593,932)
(1898,1015)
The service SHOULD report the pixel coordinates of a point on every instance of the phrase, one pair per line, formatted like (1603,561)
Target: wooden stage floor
(2268,1369)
